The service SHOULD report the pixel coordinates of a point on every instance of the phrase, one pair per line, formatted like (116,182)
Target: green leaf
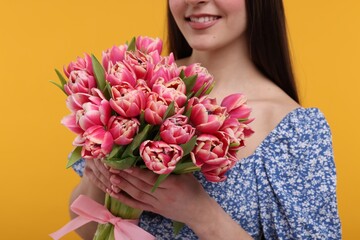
(61,78)
(189,146)
(208,91)
(177,226)
(132,46)
(190,95)
(108,90)
(242,119)
(190,83)
(116,149)
(59,86)
(170,110)
(157,137)
(182,74)
(138,139)
(198,93)
(99,74)
(142,118)
(121,163)
(159,180)
(186,167)
(188,112)
(75,156)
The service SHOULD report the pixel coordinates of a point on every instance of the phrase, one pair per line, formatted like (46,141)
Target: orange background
(37,36)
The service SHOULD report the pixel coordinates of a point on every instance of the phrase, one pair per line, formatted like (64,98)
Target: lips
(200,22)
(203,19)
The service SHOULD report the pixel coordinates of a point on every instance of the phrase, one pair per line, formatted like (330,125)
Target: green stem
(118,209)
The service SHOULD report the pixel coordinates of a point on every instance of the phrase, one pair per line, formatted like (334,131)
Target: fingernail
(128,170)
(106,166)
(115,189)
(114,179)
(114,170)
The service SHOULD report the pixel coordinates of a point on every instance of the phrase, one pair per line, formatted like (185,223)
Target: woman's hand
(93,184)
(179,197)
(98,174)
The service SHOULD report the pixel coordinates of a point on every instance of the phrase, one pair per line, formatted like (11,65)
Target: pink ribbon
(89,210)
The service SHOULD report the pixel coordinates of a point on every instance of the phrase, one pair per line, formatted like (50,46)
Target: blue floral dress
(285,190)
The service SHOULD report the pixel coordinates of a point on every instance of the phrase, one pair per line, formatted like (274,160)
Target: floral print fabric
(285,190)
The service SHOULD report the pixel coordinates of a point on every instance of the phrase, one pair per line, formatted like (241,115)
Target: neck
(229,65)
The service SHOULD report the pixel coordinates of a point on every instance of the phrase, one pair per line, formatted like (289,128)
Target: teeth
(202,19)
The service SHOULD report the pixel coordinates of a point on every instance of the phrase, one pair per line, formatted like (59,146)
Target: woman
(284,187)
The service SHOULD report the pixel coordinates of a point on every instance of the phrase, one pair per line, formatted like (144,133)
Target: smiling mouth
(203,19)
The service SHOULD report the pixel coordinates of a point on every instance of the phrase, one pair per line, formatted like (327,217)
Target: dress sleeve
(79,167)
(298,190)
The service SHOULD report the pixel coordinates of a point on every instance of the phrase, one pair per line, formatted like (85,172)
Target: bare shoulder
(268,110)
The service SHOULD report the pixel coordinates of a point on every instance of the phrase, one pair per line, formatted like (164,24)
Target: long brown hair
(267,39)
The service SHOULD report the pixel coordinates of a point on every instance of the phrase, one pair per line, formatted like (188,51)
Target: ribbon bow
(89,210)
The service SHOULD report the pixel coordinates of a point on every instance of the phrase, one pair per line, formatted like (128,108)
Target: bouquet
(139,108)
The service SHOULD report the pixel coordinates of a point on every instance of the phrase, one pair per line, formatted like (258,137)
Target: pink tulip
(148,44)
(176,83)
(173,91)
(176,130)
(236,106)
(122,88)
(93,113)
(98,143)
(79,140)
(83,64)
(169,61)
(113,55)
(70,122)
(216,173)
(140,64)
(119,73)
(237,132)
(206,115)
(87,110)
(142,86)
(232,154)
(127,104)
(159,156)
(122,129)
(247,131)
(204,78)
(155,109)
(75,101)
(210,149)
(158,60)
(154,57)
(164,73)
(79,82)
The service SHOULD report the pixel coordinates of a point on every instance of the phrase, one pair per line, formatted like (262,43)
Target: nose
(196,2)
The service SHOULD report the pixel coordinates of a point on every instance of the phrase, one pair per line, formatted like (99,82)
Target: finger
(128,200)
(136,188)
(98,174)
(117,179)
(94,179)
(102,168)
(113,170)
(144,175)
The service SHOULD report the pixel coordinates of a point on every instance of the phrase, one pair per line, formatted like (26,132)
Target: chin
(205,45)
